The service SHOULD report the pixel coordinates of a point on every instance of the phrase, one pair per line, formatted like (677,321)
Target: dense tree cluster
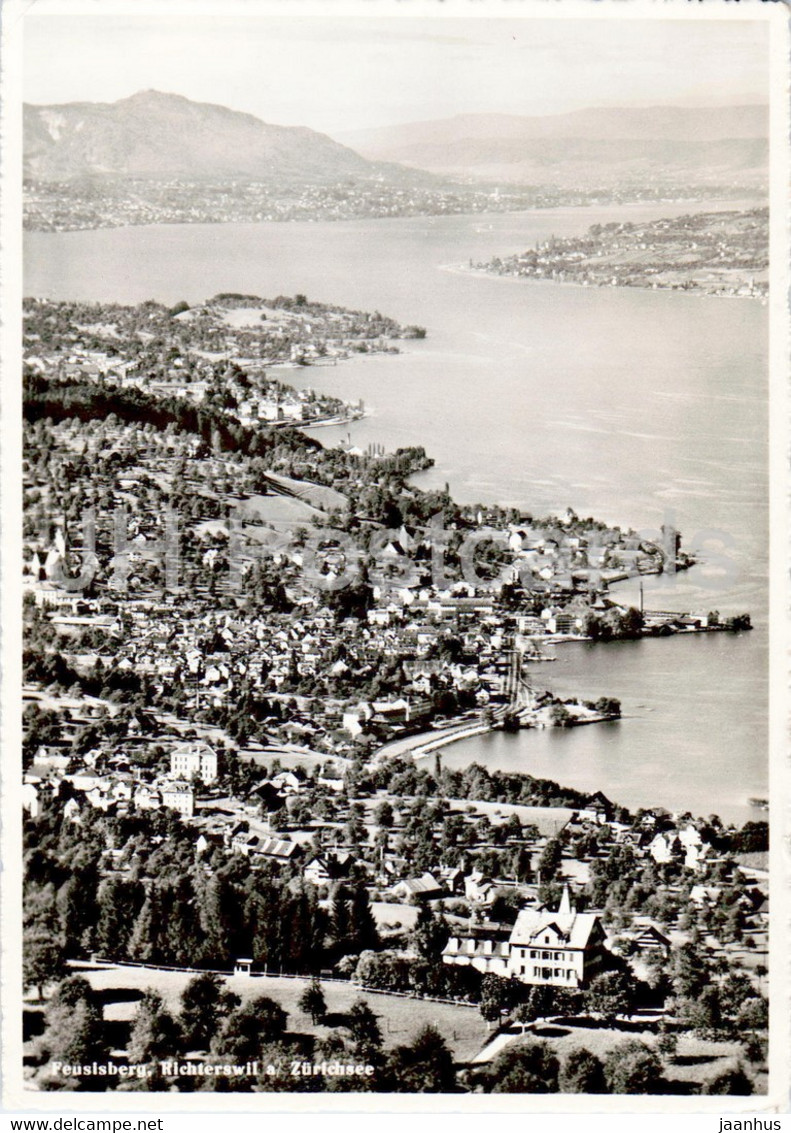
(164,908)
(401,777)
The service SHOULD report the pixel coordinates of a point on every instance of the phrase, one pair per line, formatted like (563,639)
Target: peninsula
(713,253)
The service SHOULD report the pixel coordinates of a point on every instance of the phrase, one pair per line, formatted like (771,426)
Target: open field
(399,1018)
(289,757)
(277,510)
(316,495)
(388,914)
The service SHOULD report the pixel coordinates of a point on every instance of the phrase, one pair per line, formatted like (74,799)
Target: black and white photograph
(396,426)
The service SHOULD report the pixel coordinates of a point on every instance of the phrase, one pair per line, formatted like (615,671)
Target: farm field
(399,1018)
(316,495)
(276,510)
(388,914)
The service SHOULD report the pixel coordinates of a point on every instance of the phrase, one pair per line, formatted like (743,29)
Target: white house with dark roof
(648,937)
(559,948)
(325,868)
(282,849)
(194,759)
(424,888)
(563,948)
(482,953)
(179,796)
(685,846)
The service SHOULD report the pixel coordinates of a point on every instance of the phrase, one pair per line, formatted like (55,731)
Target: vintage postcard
(394,556)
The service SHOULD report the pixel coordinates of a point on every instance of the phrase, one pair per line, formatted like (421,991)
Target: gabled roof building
(563,948)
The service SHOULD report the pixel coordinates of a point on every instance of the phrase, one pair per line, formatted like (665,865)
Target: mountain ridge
(744,120)
(160,135)
(600,144)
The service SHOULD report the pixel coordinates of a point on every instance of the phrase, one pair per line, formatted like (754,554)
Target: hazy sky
(337,73)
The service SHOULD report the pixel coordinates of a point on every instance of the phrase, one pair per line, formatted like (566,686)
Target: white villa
(562,949)
(196,759)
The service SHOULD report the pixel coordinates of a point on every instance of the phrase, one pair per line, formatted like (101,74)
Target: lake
(637,407)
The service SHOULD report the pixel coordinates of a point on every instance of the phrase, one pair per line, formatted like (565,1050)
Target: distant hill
(700,145)
(156,158)
(152,135)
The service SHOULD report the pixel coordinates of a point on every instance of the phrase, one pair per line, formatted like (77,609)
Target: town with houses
(706,253)
(244,655)
(75,204)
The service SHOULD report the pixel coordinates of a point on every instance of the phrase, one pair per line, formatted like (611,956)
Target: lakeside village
(212,355)
(720,253)
(88,203)
(235,856)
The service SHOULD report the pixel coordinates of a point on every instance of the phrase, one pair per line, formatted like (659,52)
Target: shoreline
(320,422)
(758,199)
(509,277)
(435,740)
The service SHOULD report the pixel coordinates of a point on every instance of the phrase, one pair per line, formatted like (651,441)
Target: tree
(354,829)
(689,970)
(384,971)
(550,859)
(218,915)
(75,1031)
(383,815)
(753,1015)
(494,997)
(43,959)
(755,1048)
(205,1002)
(560,716)
(364,1028)
(666,1042)
(610,705)
(581,1072)
(610,994)
(249,1028)
(75,1036)
(521,864)
(430,934)
(540,1002)
(333,1048)
(513,827)
(340,919)
(735,990)
(704,1014)
(70,992)
(155,1033)
(312,1001)
(364,934)
(424,1066)
(752,838)
(181,938)
(527,1068)
(77,904)
(632,1068)
(733,1082)
(119,902)
(278,820)
(143,942)
(732,931)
